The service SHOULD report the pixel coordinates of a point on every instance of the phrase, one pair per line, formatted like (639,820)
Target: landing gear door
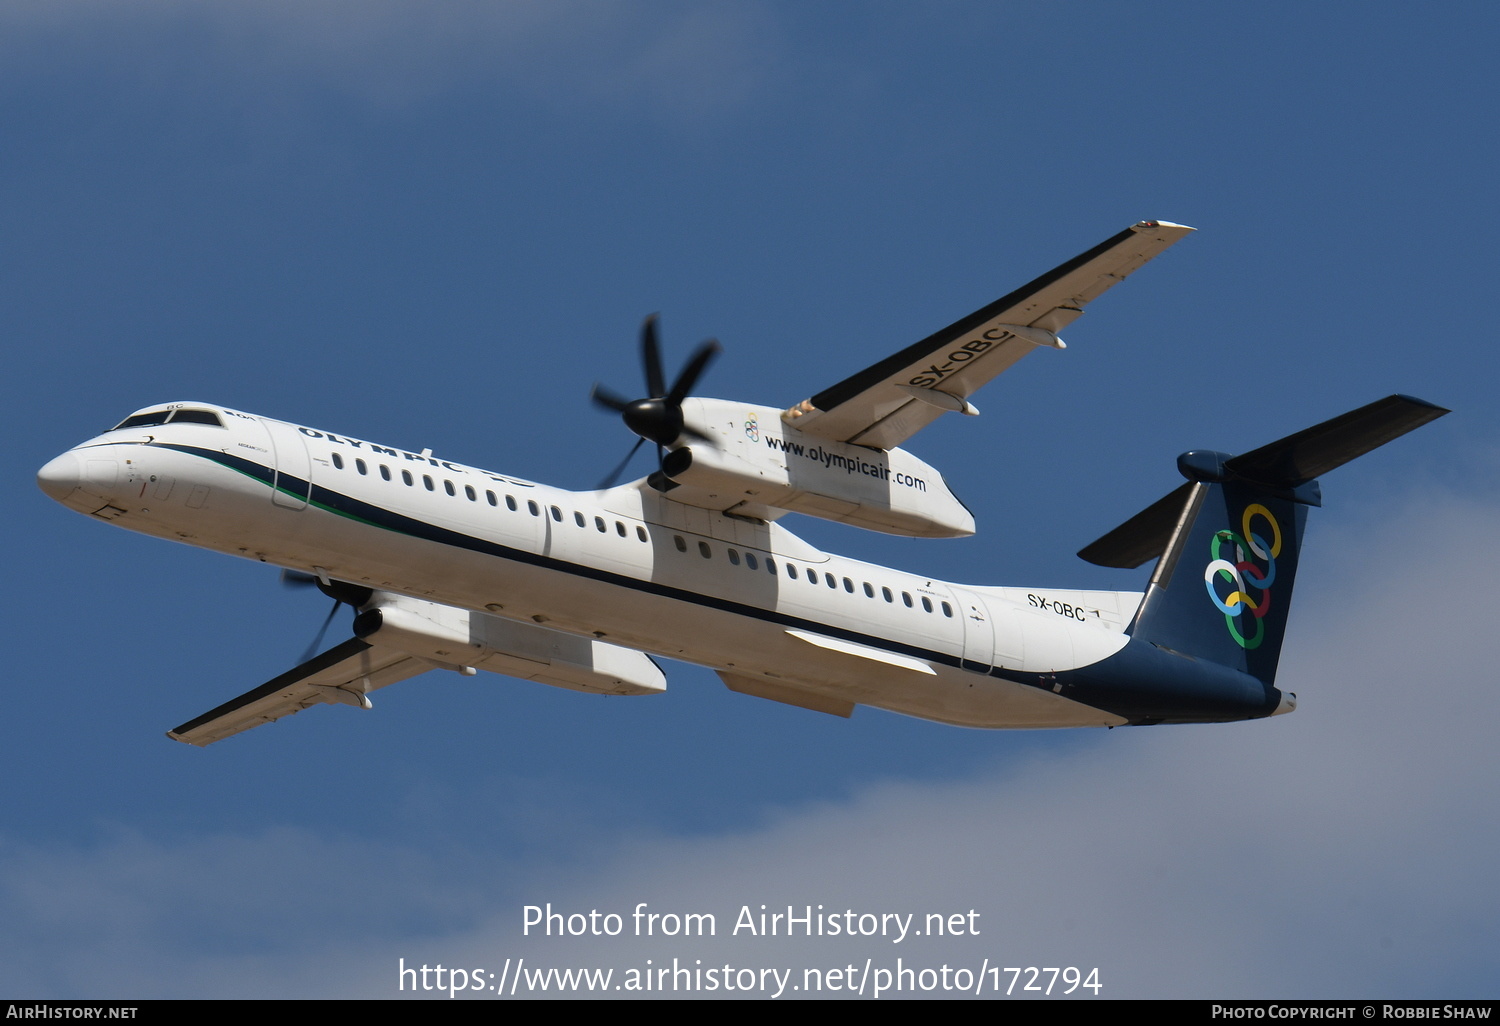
(979,631)
(293,481)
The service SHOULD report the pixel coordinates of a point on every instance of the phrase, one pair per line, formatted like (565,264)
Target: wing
(343,674)
(884,405)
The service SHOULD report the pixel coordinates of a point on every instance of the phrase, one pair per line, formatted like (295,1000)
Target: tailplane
(1227,541)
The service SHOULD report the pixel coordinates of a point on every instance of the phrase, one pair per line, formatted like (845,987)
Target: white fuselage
(628,565)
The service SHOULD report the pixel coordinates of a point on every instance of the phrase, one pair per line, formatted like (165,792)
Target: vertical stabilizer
(1228,540)
(1223,587)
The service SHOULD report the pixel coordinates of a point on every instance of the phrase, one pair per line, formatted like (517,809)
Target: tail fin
(1233,561)
(1228,540)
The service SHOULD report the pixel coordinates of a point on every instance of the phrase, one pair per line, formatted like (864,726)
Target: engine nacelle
(458,638)
(761,463)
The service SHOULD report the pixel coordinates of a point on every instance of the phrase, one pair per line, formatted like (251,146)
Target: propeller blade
(689,376)
(317,643)
(297,579)
(656,384)
(352,595)
(609,482)
(696,435)
(607,399)
(658,416)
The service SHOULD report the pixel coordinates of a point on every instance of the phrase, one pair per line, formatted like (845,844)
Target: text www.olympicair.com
(515,978)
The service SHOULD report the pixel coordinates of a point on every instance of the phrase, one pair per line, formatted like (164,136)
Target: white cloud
(669,60)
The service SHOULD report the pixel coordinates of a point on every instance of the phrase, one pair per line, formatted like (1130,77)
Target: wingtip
(1142,226)
(1438,411)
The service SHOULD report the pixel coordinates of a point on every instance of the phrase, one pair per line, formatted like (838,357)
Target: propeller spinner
(658,417)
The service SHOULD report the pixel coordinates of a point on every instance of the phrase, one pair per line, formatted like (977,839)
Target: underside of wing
(884,405)
(342,675)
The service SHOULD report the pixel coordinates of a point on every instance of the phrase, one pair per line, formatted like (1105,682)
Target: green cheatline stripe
(259,472)
(350,516)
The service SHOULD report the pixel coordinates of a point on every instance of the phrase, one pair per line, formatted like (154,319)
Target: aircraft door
(979,631)
(293,480)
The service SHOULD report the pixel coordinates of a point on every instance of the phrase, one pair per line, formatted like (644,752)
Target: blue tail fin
(1228,540)
(1222,589)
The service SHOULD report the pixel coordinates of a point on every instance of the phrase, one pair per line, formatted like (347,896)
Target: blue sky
(439,226)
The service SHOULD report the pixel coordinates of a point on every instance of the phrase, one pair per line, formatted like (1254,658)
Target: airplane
(455,567)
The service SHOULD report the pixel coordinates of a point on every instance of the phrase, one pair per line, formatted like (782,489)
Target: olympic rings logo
(1234,567)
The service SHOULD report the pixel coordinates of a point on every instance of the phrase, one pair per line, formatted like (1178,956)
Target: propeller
(658,417)
(342,593)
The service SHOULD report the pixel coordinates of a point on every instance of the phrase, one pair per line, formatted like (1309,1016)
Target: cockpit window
(197,417)
(151,419)
(155,418)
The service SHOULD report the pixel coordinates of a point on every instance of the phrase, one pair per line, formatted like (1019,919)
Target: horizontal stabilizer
(1297,459)
(1142,537)
(1283,465)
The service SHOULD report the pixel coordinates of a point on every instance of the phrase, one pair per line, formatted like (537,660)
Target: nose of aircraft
(61,477)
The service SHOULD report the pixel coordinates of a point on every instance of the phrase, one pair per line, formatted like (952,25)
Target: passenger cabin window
(338,462)
(705,551)
(406,476)
(510,503)
(448,487)
(470,494)
(427,481)
(678,541)
(640,532)
(359,465)
(619,529)
(534,509)
(490,496)
(750,561)
(947,609)
(927,603)
(557,514)
(385,472)
(599,525)
(579,519)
